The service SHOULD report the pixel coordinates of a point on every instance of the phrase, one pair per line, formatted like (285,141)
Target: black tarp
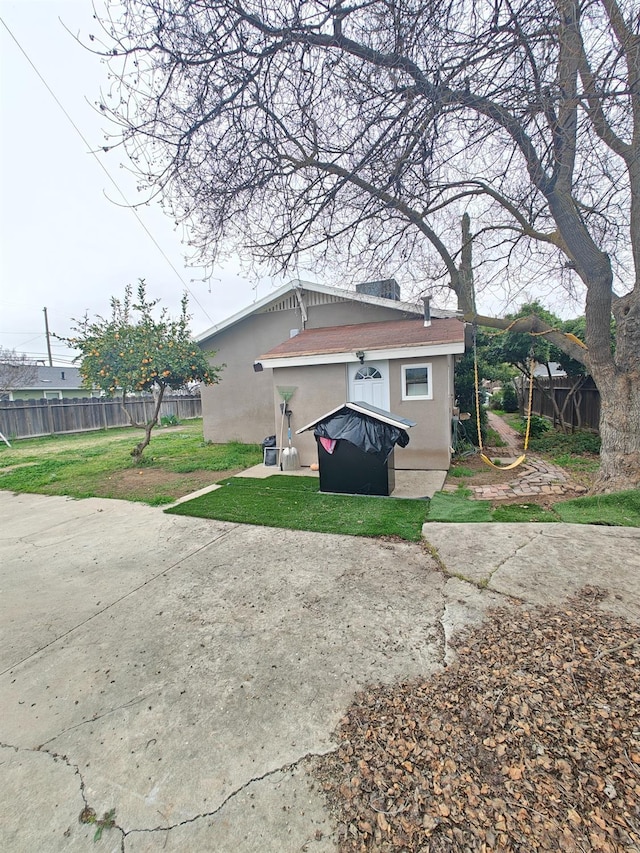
(367,433)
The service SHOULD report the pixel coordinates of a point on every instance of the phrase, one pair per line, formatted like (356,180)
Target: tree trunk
(571,398)
(139,449)
(577,408)
(619,420)
(619,387)
(550,394)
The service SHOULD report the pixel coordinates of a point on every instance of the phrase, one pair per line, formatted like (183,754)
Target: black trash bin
(270,450)
(355,448)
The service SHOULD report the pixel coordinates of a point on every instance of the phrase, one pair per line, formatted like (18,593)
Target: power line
(104,169)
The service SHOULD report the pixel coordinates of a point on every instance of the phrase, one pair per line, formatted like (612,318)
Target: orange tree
(135,351)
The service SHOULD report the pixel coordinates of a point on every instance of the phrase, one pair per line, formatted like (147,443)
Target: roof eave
(388,354)
(363,409)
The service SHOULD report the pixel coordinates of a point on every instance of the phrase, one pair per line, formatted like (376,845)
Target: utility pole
(46,327)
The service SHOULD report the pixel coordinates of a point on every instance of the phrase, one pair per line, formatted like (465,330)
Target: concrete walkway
(186,672)
(532,478)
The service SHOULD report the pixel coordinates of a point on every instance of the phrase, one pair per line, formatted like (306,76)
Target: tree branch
(534,325)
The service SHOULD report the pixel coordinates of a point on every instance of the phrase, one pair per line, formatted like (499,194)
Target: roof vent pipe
(427,310)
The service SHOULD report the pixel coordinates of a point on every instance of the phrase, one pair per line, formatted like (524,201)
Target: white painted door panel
(369,383)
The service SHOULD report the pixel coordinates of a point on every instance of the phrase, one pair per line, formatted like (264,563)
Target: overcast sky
(67,240)
(65,245)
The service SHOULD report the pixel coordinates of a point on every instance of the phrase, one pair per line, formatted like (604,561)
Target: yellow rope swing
(483,455)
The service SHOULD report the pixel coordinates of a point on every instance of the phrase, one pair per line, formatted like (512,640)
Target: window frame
(370,376)
(429,368)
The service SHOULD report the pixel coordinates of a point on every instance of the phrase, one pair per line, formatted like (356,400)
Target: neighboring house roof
(54,379)
(59,377)
(338,293)
(556,369)
(382,340)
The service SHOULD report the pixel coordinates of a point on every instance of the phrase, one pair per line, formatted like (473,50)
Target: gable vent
(286,304)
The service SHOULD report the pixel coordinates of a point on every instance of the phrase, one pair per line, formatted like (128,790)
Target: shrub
(538,426)
(466,398)
(169,420)
(497,401)
(509,399)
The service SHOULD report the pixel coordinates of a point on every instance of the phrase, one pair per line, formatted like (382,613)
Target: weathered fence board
(31,418)
(584,413)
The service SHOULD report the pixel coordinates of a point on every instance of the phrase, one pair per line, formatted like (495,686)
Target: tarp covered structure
(355,447)
(367,433)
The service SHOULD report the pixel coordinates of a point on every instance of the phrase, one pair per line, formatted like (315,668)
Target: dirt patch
(544,501)
(531,741)
(146,482)
(482,474)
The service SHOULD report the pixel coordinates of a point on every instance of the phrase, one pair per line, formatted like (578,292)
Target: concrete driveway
(185,672)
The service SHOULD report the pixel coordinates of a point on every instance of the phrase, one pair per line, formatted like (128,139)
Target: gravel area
(530,741)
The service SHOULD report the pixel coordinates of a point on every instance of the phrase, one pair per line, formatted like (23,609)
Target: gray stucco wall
(241,406)
(318,390)
(321,388)
(431,437)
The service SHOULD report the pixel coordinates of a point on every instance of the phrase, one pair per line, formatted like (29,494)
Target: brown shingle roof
(369,336)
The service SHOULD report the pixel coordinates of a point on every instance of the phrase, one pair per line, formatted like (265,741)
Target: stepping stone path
(534,477)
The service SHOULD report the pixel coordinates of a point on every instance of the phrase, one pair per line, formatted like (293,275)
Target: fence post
(50,417)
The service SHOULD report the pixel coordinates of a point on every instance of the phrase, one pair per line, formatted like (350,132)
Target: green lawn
(99,464)
(295,503)
(621,509)
(178,461)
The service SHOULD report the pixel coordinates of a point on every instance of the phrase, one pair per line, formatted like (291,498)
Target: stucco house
(331,346)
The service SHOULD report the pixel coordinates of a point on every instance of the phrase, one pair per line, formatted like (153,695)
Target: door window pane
(368,373)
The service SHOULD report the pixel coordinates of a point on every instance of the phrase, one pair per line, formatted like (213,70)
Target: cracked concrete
(185,672)
(543,563)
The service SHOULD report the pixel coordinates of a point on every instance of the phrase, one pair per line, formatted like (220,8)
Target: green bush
(509,399)
(497,400)
(466,399)
(169,420)
(538,426)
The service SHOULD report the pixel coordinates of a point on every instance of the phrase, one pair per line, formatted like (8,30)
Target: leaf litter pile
(530,741)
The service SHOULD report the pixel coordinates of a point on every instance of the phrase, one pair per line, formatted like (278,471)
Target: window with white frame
(416,382)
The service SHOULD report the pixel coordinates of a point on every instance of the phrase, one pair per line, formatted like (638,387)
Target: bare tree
(361,133)
(16,371)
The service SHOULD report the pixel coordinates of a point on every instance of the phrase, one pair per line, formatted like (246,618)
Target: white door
(369,383)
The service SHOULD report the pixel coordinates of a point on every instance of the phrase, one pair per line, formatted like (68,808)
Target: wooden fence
(30,418)
(583,411)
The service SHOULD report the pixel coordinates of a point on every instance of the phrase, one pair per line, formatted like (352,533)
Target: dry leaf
(521,744)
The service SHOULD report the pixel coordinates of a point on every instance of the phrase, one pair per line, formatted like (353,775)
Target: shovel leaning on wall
(290,460)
